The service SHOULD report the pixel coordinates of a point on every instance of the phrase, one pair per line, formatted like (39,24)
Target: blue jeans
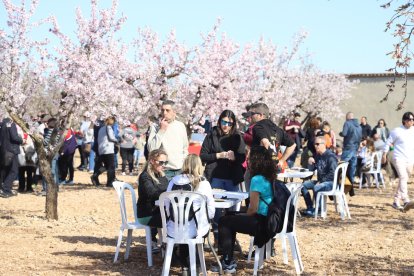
(291,160)
(350,157)
(91,160)
(225,184)
(116,160)
(137,156)
(312,185)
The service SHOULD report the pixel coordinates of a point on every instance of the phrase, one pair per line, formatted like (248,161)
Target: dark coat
(148,193)
(10,140)
(223,168)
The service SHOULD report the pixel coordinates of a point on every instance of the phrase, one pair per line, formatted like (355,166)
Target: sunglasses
(317,144)
(226,123)
(162,163)
(410,119)
(255,113)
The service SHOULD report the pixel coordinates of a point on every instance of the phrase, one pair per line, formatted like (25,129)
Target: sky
(344,36)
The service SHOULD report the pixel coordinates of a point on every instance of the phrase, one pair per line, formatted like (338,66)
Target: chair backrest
(340,176)
(376,162)
(180,203)
(120,191)
(293,199)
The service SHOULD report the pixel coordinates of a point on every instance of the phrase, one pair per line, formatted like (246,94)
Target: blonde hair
(153,155)
(194,169)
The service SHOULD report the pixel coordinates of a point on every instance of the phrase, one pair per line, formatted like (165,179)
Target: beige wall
(365,101)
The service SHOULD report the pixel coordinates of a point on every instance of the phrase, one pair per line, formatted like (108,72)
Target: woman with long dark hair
(382,130)
(223,152)
(263,171)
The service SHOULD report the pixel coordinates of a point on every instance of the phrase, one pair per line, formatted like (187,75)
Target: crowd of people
(229,155)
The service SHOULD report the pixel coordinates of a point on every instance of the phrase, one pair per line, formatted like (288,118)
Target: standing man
(171,136)
(267,134)
(10,148)
(365,127)
(402,138)
(352,134)
(325,163)
(106,151)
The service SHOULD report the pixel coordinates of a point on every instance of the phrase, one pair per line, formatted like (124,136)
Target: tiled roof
(376,75)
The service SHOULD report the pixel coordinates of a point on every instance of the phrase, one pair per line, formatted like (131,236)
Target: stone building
(366,96)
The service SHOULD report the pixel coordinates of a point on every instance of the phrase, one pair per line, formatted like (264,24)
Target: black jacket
(148,193)
(223,168)
(10,140)
(267,129)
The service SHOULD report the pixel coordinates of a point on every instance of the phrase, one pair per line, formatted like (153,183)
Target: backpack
(273,222)
(185,187)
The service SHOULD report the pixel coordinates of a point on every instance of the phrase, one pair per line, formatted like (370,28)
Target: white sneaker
(123,173)
(131,174)
(397,206)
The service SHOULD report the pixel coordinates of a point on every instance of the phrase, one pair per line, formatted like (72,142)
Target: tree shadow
(88,240)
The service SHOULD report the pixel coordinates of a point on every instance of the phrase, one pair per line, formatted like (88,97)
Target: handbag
(87,148)
(367,167)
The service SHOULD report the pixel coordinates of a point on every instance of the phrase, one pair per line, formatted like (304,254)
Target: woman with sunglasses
(151,183)
(223,152)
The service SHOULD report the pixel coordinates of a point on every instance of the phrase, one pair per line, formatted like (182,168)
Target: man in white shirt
(402,138)
(171,136)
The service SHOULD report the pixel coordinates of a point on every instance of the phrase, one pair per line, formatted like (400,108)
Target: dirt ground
(378,240)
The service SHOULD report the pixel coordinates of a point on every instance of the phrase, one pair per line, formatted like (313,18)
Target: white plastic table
(225,199)
(295,174)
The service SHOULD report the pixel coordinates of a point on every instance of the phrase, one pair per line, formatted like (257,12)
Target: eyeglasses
(317,144)
(162,163)
(226,123)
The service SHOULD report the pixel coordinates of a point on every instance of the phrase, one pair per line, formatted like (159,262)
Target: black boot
(95,180)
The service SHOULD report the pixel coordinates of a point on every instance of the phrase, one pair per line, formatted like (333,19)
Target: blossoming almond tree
(402,28)
(23,64)
(89,74)
(218,74)
(159,72)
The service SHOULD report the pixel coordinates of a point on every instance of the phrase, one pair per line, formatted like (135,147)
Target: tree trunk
(51,191)
(45,165)
(51,187)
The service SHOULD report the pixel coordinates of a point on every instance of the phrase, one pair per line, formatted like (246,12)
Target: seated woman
(151,183)
(263,171)
(192,179)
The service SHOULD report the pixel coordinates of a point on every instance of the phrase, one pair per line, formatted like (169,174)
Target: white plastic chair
(181,203)
(337,192)
(130,226)
(375,170)
(293,198)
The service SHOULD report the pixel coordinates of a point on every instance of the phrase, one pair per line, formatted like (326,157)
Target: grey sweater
(128,136)
(106,140)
